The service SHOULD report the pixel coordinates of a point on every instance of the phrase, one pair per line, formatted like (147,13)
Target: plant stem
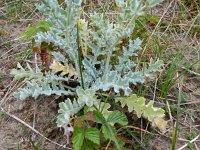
(79,57)
(108,59)
(104,104)
(174,137)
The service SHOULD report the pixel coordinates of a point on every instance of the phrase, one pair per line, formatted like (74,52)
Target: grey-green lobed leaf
(152,3)
(35,89)
(112,80)
(71,107)
(66,110)
(21,72)
(154,67)
(86,96)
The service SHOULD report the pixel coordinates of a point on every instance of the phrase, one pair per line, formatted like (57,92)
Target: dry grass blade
(13,86)
(34,130)
(150,37)
(193,140)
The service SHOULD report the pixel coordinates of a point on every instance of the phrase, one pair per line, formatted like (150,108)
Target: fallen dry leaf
(64,69)
(159,123)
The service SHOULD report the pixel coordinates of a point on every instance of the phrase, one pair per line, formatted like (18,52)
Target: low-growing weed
(190,136)
(2,75)
(15,10)
(23,55)
(2,115)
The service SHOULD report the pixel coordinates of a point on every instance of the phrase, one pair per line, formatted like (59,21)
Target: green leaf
(80,135)
(93,135)
(89,145)
(33,29)
(138,104)
(78,138)
(109,132)
(99,117)
(117,117)
(152,112)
